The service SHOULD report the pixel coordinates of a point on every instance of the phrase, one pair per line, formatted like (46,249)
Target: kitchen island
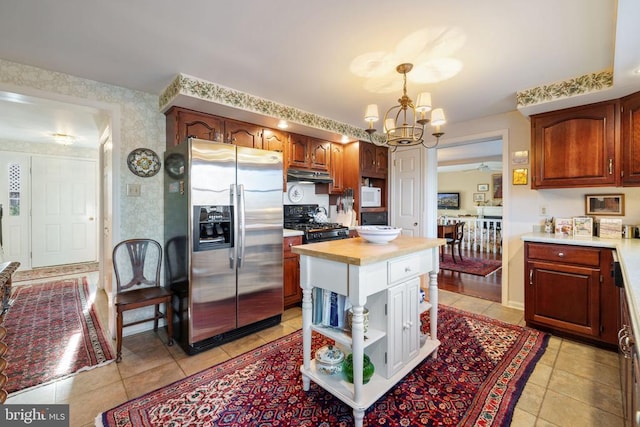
(385,277)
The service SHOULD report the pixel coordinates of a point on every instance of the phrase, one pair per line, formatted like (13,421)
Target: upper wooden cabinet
(575,147)
(242,134)
(309,153)
(337,169)
(183,123)
(373,160)
(630,136)
(274,140)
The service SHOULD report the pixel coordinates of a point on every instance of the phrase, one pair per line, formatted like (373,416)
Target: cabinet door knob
(610,166)
(407,269)
(560,254)
(290,244)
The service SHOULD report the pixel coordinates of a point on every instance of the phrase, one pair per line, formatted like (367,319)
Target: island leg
(433,313)
(306,334)
(357,345)
(358,417)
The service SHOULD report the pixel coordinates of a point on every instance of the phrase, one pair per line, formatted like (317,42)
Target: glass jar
(367,369)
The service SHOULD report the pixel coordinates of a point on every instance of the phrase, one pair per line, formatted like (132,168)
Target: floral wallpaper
(577,86)
(141,124)
(191,86)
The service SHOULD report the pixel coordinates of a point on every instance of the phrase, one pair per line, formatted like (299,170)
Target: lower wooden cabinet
(291,274)
(629,366)
(569,291)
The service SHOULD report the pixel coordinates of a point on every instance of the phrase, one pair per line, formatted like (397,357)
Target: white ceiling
(300,53)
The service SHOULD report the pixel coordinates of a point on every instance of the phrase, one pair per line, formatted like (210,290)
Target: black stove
(301,217)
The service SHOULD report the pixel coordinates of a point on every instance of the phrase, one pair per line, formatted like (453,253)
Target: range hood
(307,176)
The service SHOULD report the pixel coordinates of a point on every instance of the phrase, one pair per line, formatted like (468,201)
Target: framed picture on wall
(496,185)
(483,187)
(520,176)
(478,197)
(604,204)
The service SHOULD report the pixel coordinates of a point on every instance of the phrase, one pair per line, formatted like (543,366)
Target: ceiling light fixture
(282,124)
(63,138)
(404,124)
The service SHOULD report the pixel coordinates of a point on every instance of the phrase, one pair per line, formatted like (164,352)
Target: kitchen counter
(628,253)
(387,278)
(357,251)
(291,233)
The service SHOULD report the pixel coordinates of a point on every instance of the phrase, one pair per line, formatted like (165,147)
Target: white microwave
(371,197)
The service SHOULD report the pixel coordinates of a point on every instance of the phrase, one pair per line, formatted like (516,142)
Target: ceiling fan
(483,167)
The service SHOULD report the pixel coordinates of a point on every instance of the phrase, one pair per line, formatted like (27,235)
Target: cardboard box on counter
(564,226)
(610,228)
(582,226)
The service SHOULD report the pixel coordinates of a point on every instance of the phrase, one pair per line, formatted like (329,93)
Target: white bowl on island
(378,233)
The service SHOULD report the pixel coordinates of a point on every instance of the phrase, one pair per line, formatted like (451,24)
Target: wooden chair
(137,263)
(456,240)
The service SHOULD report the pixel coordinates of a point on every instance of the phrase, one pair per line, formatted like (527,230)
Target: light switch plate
(133,190)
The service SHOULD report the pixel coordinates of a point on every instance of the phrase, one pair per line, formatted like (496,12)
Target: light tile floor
(572,385)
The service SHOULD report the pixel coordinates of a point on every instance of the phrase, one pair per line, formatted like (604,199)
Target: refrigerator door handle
(242,225)
(233,250)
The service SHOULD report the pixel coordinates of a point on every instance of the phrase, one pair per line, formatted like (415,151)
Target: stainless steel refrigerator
(223,240)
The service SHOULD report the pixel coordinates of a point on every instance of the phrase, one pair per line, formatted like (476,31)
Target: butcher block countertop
(357,251)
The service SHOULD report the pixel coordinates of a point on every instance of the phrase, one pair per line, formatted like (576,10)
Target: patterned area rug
(475,266)
(52,332)
(476,380)
(57,270)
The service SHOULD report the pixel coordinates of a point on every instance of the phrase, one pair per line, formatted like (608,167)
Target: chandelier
(404,124)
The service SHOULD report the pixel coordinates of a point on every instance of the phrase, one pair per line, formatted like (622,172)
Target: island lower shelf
(377,386)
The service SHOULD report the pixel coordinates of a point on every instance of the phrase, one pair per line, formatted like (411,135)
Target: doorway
(57,215)
(472,170)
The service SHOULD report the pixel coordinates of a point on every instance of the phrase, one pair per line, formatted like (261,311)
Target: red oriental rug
(475,266)
(481,369)
(52,332)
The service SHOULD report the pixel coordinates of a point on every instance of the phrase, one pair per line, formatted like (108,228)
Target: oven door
(374,218)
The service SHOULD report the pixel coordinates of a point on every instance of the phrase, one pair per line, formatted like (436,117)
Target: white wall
(466,183)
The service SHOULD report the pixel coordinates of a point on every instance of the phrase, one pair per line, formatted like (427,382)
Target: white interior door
(64,211)
(15,201)
(407,193)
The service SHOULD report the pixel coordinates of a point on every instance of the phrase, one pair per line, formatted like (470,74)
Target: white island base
(387,279)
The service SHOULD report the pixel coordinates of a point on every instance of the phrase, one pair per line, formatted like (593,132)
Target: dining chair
(137,264)
(456,240)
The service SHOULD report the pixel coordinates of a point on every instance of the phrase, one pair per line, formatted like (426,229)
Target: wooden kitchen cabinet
(183,123)
(336,169)
(291,272)
(576,147)
(630,136)
(306,152)
(274,140)
(242,134)
(629,365)
(569,291)
(374,160)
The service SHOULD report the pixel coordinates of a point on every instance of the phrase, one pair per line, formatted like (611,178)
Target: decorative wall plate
(143,162)
(295,193)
